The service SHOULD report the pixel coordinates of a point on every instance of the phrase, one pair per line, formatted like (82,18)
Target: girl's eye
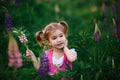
(61,35)
(53,38)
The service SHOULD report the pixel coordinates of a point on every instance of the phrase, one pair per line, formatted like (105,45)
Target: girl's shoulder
(48,51)
(45,53)
(73,51)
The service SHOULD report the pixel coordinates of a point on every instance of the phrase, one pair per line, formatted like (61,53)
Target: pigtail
(40,37)
(65,25)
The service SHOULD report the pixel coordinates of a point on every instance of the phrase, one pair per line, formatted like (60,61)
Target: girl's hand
(29,53)
(66,43)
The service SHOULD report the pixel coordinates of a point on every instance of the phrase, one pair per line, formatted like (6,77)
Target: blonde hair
(43,35)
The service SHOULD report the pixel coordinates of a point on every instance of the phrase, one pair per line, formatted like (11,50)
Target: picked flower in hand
(22,37)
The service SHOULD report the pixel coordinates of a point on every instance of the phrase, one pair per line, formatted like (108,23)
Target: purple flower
(8,21)
(44,65)
(115,28)
(97,33)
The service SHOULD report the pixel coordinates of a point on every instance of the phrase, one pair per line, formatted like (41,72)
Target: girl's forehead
(56,32)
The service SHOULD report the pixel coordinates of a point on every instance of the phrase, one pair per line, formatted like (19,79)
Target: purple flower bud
(97,34)
(115,28)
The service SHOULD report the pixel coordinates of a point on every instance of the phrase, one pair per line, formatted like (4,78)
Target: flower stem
(26,46)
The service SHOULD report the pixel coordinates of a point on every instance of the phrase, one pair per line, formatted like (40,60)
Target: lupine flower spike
(44,67)
(97,33)
(14,54)
(115,29)
(8,20)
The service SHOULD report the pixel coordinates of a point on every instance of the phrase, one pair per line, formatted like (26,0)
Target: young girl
(55,59)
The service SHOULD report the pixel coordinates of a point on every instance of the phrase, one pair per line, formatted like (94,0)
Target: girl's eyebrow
(53,36)
(60,33)
(56,35)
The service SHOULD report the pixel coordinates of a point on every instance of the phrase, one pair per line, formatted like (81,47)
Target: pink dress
(52,68)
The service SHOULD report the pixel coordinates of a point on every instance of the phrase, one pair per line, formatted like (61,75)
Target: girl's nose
(58,39)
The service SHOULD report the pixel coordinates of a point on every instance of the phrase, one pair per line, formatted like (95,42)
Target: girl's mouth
(59,44)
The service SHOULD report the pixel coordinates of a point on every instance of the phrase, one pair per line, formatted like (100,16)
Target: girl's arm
(70,55)
(35,61)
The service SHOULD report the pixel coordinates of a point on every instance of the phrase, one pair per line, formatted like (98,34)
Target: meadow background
(98,58)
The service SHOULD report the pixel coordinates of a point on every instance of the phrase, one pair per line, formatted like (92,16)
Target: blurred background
(94,32)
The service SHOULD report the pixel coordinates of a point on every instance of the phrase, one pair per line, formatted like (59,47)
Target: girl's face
(57,39)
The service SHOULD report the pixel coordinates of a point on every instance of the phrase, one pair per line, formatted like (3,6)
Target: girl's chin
(60,47)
